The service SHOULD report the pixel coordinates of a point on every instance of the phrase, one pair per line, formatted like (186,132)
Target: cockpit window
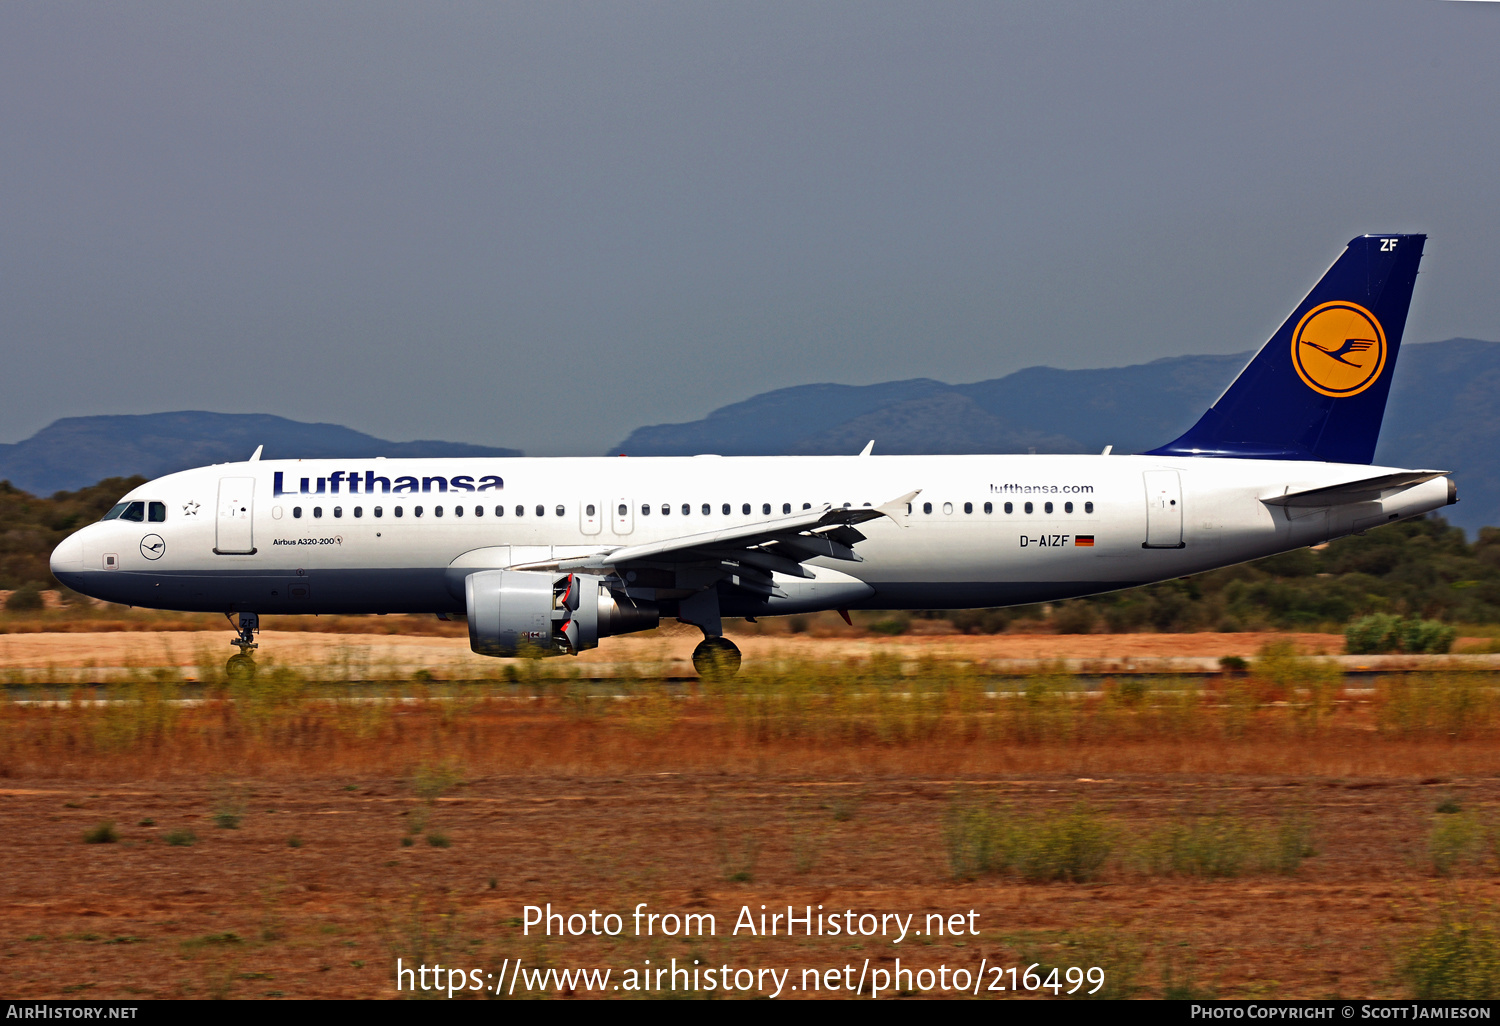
(135,512)
(158,512)
(114,513)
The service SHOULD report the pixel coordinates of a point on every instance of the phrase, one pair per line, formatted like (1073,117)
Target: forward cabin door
(590,517)
(236,520)
(1163,509)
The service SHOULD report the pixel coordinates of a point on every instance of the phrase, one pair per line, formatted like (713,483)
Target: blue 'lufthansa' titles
(331,484)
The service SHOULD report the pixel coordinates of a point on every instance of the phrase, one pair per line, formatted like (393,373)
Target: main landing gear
(716,658)
(240,669)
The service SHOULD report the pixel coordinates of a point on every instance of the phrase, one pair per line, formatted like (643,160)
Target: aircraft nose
(67,558)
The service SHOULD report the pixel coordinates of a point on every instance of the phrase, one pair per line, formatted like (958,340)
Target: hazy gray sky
(542,225)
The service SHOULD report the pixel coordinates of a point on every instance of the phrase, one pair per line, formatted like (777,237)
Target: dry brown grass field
(1275,834)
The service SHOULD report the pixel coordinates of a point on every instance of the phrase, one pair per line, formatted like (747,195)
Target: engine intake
(511,611)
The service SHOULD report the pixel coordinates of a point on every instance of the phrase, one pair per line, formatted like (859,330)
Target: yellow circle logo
(1338,349)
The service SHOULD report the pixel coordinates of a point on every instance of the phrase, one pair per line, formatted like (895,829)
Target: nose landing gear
(241,668)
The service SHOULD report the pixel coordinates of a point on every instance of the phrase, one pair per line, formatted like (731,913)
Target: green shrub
(25,599)
(104,833)
(1072,846)
(1456,838)
(1383,632)
(180,838)
(1076,617)
(1458,960)
(1217,847)
(980,621)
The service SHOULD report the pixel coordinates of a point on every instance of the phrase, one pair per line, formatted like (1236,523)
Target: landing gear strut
(716,658)
(241,667)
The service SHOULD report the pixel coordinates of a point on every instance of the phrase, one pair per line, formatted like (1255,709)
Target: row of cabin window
(589,510)
(989,507)
(437,511)
(138,512)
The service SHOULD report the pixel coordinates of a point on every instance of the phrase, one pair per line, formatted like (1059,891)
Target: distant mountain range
(75,452)
(1444,413)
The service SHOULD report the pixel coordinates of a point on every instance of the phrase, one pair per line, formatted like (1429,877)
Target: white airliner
(554,554)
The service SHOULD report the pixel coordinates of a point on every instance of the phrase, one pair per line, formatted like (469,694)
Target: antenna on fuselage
(1107,450)
(255,456)
(869,447)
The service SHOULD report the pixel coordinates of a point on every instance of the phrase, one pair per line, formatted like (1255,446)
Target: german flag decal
(1084,541)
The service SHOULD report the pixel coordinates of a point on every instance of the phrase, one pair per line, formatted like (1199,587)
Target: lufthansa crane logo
(1338,349)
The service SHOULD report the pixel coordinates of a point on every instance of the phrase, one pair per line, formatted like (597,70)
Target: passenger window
(1009,508)
(1088,507)
(458,511)
(338,511)
(623,509)
(158,512)
(989,507)
(947,509)
(114,512)
(437,511)
(645,509)
(745,509)
(666,510)
(1028,507)
(520,511)
(807,505)
(479,511)
(297,513)
(559,511)
(359,511)
(499,511)
(541,510)
(135,512)
(400,511)
(968,507)
(686,509)
(1047,507)
(379,512)
(726,509)
(765,509)
(416,511)
(786,507)
(1067,507)
(317,512)
(589,510)
(707,509)
(926,507)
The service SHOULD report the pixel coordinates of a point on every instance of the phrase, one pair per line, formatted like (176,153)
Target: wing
(745,555)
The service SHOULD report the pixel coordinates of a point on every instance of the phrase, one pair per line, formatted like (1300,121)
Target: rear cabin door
(1163,509)
(624,516)
(235,527)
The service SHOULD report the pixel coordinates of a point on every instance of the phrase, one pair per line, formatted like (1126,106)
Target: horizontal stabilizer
(1367,490)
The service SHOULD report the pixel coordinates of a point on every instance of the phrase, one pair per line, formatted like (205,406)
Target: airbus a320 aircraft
(555,554)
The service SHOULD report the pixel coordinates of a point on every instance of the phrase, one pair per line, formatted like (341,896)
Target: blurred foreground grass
(1286,712)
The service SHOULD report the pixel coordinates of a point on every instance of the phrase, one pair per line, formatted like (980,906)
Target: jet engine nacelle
(511,611)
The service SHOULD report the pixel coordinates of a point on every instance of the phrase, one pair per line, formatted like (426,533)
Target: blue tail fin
(1317,390)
